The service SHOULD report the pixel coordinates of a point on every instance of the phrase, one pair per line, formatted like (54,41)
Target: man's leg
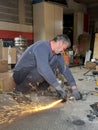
(30,80)
(24,87)
(22,82)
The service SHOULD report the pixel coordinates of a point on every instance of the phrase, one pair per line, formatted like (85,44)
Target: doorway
(68,23)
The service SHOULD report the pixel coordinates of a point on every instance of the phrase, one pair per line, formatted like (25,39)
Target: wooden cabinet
(47,20)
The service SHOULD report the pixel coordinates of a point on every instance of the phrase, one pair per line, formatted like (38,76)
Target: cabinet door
(49,21)
(58,23)
(38,21)
(53,20)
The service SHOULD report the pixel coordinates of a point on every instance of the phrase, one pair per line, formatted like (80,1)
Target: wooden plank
(95,55)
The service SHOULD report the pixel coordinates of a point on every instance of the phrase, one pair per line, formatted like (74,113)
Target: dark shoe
(43,86)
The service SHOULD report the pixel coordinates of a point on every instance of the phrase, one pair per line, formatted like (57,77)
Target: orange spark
(11,112)
(48,106)
(40,107)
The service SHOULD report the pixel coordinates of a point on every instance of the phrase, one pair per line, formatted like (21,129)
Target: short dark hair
(62,37)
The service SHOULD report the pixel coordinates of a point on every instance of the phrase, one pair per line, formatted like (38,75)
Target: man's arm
(42,59)
(64,69)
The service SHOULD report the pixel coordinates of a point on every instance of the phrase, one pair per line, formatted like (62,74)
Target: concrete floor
(64,114)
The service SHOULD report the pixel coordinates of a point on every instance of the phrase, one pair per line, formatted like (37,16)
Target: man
(39,63)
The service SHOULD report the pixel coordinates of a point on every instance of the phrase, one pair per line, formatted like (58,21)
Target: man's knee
(24,87)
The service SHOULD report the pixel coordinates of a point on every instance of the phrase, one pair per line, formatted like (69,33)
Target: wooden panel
(84,42)
(38,20)
(58,20)
(9,11)
(95,55)
(78,25)
(28,12)
(49,21)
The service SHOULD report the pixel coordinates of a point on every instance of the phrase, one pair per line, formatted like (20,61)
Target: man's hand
(61,93)
(76,94)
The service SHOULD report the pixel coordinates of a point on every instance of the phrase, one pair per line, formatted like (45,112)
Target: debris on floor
(95,108)
(78,122)
(69,115)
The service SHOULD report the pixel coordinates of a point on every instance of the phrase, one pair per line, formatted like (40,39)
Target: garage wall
(9,11)
(16,19)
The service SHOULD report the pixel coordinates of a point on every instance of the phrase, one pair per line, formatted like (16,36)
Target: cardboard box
(90,65)
(7,83)
(96,67)
(3,66)
(1,85)
(84,42)
(9,54)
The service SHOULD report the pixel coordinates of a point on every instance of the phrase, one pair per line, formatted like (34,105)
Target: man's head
(60,43)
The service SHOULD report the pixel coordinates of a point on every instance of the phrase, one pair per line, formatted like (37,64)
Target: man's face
(60,47)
